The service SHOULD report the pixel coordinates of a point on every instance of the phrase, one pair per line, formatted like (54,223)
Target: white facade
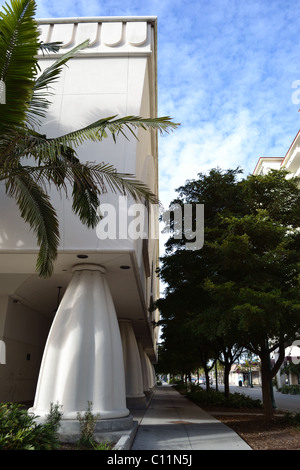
(291,161)
(83,358)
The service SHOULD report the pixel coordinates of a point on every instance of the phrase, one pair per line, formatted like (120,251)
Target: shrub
(293,419)
(239,400)
(87,423)
(19,431)
(290,389)
(214,398)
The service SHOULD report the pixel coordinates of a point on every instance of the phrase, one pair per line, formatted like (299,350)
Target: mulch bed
(257,432)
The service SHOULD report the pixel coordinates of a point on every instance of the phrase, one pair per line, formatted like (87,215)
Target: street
(283,402)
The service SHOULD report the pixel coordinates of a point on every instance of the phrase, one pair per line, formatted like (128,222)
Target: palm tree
(24,100)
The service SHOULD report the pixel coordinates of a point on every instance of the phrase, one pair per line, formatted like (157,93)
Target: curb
(125,441)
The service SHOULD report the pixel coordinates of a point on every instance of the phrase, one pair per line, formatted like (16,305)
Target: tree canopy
(241,290)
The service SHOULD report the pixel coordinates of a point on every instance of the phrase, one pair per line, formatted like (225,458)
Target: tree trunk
(266,386)
(266,375)
(207,378)
(226,379)
(227,366)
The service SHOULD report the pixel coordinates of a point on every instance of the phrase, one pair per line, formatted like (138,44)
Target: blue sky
(226,69)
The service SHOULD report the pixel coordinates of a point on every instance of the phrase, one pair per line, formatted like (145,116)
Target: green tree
(185,272)
(245,280)
(29,161)
(262,257)
(177,332)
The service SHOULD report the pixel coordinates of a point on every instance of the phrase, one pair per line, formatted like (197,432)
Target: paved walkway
(171,421)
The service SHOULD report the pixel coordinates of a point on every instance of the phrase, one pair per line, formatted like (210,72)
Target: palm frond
(122,183)
(87,178)
(43,148)
(50,47)
(98,131)
(18,65)
(36,210)
(85,204)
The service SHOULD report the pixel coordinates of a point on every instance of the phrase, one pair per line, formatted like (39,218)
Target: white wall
(24,335)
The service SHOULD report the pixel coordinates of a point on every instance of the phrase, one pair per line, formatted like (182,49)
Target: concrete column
(144,368)
(83,357)
(151,375)
(132,364)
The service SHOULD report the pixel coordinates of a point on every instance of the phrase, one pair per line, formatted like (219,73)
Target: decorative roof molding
(107,35)
(294,148)
(265,163)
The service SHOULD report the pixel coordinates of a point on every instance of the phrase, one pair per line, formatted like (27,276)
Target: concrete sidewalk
(172,422)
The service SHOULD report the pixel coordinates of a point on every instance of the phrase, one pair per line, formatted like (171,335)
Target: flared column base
(136,402)
(106,430)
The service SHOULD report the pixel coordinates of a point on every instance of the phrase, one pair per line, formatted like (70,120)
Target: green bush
(291,389)
(87,423)
(214,398)
(19,431)
(293,419)
(239,400)
(180,386)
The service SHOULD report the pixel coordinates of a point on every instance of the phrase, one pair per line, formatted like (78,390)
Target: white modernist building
(86,334)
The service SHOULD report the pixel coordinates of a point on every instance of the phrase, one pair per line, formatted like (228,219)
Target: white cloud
(189,151)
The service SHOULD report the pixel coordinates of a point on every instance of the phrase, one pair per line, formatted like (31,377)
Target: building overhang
(107,35)
(19,277)
(267,163)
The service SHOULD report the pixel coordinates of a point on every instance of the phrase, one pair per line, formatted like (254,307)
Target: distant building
(86,334)
(244,375)
(289,373)
(291,161)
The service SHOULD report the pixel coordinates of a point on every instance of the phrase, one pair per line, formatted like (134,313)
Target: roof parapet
(107,35)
